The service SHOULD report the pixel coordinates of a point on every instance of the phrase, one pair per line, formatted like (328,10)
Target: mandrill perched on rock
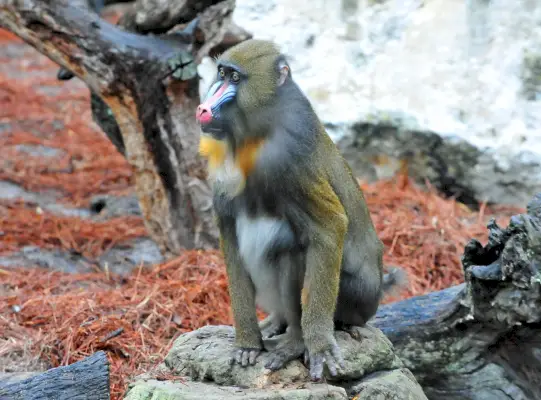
(295,230)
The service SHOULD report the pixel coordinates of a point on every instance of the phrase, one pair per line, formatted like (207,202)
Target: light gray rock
(39,150)
(105,206)
(458,82)
(399,384)
(161,390)
(201,357)
(46,200)
(121,259)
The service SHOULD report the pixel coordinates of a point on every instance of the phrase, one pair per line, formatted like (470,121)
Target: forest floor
(75,279)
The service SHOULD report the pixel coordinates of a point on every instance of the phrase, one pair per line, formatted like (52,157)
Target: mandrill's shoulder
(284,154)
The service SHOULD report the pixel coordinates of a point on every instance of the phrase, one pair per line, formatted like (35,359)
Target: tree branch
(79,40)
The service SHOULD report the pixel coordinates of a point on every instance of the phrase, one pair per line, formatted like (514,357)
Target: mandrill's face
(247,79)
(212,113)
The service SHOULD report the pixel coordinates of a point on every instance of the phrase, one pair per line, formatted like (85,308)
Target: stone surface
(105,206)
(161,390)
(46,200)
(39,150)
(201,357)
(395,384)
(453,86)
(120,259)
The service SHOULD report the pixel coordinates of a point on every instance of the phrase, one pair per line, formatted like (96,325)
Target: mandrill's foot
(289,347)
(331,355)
(356,332)
(244,356)
(272,326)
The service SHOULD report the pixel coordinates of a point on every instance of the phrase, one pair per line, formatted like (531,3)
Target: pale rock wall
(465,72)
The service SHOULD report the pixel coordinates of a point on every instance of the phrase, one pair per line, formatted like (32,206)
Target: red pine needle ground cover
(23,225)
(62,318)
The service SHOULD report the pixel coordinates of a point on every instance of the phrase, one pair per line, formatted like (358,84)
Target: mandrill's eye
(235,77)
(221,73)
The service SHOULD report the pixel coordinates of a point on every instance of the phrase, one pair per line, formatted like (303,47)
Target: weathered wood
(137,83)
(87,379)
(481,339)
(233,34)
(159,16)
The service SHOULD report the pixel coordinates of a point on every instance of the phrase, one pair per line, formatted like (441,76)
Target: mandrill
(295,231)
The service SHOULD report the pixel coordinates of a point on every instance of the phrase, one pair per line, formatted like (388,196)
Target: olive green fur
(258,60)
(256,57)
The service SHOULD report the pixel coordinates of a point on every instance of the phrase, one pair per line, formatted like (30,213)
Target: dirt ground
(75,279)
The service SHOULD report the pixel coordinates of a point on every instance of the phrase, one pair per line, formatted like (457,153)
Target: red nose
(203,114)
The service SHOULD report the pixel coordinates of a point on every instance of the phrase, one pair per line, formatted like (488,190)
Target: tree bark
(482,339)
(85,379)
(143,95)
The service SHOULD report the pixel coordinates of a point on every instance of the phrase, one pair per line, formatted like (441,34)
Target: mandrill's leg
(290,345)
(272,326)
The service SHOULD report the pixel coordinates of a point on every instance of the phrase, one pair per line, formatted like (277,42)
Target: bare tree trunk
(480,340)
(144,93)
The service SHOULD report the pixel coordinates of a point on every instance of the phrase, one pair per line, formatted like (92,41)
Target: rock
(105,206)
(129,255)
(47,200)
(452,86)
(201,357)
(399,382)
(160,390)
(39,150)
(120,259)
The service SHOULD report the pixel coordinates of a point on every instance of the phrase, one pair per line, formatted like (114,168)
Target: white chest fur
(227,178)
(255,236)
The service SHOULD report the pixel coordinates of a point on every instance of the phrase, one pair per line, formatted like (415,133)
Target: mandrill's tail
(394,281)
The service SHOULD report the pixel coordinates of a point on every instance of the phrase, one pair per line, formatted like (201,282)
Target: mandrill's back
(326,170)
(362,246)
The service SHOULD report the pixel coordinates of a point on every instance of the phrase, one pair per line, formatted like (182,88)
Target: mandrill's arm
(328,229)
(248,340)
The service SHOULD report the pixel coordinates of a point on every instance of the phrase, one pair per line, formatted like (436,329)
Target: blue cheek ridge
(213,90)
(228,95)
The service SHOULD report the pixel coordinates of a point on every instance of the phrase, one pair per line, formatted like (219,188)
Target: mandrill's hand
(248,341)
(244,356)
(328,352)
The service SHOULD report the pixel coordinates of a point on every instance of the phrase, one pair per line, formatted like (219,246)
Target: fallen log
(87,379)
(481,339)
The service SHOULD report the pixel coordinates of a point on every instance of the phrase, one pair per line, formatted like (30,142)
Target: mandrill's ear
(283,69)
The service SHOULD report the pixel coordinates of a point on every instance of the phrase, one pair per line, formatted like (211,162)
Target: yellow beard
(216,152)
